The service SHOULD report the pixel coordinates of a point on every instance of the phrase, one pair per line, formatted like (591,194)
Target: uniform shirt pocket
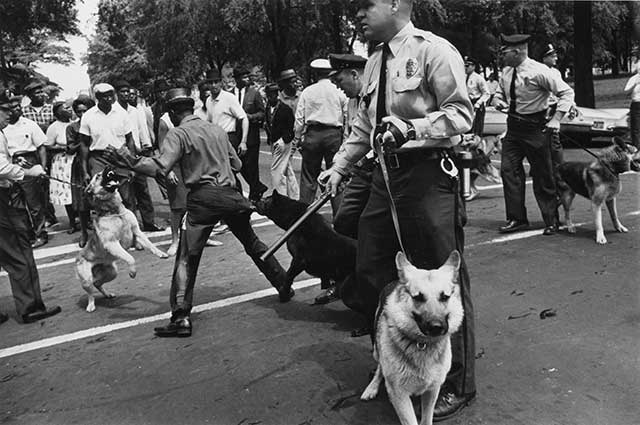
(401,84)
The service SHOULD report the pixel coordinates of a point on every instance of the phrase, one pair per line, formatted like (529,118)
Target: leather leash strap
(385,175)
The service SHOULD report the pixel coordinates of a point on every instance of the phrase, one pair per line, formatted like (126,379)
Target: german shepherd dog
(115,230)
(598,181)
(315,247)
(415,318)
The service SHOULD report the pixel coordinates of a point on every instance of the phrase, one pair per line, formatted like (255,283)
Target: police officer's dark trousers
(16,256)
(206,205)
(526,139)
(320,142)
(354,198)
(431,216)
(34,192)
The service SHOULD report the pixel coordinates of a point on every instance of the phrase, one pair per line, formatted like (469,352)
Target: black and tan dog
(315,247)
(598,181)
(116,230)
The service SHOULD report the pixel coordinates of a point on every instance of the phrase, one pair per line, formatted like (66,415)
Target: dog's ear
(453,262)
(404,266)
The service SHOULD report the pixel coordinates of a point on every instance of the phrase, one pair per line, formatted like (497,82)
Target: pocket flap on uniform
(406,84)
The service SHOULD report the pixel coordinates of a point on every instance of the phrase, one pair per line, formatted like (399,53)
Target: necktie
(381,105)
(512,92)
(240,96)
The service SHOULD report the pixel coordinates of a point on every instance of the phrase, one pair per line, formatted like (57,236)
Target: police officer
(16,255)
(524,92)
(212,196)
(415,85)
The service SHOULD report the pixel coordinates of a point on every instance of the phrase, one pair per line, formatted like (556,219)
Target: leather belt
(408,159)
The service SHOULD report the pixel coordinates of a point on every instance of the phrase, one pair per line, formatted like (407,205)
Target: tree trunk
(583,54)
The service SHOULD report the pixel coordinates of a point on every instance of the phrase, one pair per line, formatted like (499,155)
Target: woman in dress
(59,188)
(79,173)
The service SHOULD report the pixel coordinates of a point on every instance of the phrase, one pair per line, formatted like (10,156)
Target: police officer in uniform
(210,177)
(414,84)
(16,255)
(525,87)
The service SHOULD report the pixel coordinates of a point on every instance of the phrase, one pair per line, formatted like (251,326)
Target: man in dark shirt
(208,163)
(279,128)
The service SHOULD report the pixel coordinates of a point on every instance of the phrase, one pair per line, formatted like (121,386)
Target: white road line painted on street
(87,333)
(498,186)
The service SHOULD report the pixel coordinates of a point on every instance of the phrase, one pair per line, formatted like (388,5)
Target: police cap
(179,95)
(514,39)
(340,61)
(550,50)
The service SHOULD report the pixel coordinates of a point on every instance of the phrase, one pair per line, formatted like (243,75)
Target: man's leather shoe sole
(177,329)
(328,296)
(41,314)
(514,226)
(550,230)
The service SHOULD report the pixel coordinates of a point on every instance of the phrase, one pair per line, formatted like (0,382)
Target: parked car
(589,127)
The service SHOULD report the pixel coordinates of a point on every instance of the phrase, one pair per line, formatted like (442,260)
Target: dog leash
(385,175)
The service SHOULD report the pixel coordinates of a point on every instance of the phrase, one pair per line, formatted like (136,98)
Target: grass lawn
(609,93)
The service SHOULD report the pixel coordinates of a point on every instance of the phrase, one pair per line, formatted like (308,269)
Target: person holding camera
(415,107)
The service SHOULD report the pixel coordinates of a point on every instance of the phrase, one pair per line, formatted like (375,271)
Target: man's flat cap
(121,84)
(287,74)
(103,88)
(340,61)
(514,39)
(213,75)
(240,72)
(550,50)
(179,95)
(33,86)
(321,65)
(5,101)
(468,60)
(271,88)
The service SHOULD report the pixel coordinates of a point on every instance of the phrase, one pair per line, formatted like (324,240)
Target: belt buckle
(393,161)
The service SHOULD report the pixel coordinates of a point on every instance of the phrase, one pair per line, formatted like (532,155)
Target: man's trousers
(283,178)
(206,205)
(16,256)
(320,142)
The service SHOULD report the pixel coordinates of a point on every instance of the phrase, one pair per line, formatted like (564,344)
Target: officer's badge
(411,67)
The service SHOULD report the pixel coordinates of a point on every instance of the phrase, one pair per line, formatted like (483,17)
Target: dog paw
(162,254)
(369,394)
(109,295)
(620,228)
(91,307)
(571,229)
(600,239)
(133,273)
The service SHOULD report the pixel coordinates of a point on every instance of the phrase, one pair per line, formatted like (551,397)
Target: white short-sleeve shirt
(106,129)
(57,133)
(224,110)
(24,136)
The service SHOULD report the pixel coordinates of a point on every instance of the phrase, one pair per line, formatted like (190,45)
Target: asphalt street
(252,360)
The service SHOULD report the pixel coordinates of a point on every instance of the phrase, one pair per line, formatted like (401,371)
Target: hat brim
(179,100)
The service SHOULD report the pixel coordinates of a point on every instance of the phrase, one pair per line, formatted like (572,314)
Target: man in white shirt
(107,124)
(633,88)
(224,109)
(27,142)
(319,120)
(16,255)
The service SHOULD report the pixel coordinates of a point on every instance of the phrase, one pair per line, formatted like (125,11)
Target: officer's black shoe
(34,316)
(181,327)
(550,230)
(450,404)
(152,228)
(327,296)
(514,226)
(39,242)
(285,293)
(3,317)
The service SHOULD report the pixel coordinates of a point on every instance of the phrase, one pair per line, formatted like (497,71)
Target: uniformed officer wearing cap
(415,82)
(523,93)
(319,127)
(16,255)
(210,178)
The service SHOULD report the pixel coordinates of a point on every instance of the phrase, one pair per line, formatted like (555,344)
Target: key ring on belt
(447,165)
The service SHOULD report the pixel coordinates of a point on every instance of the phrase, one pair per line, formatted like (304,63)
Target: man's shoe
(450,404)
(152,228)
(472,194)
(285,293)
(180,328)
(514,226)
(39,242)
(219,229)
(328,296)
(40,314)
(550,230)
(3,318)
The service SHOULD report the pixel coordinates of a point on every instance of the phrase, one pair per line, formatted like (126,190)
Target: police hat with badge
(342,61)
